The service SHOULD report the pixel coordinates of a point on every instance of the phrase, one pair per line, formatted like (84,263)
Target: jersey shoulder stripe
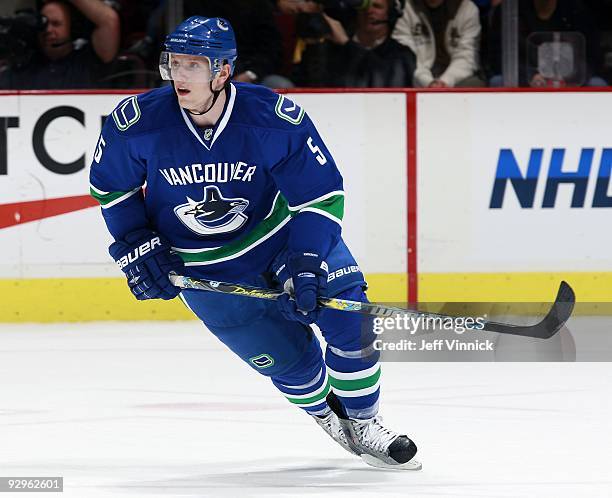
(110,199)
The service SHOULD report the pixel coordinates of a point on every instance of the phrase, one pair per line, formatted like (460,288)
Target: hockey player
(232,182)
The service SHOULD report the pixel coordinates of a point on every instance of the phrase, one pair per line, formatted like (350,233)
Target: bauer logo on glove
(141,250)
(146,258)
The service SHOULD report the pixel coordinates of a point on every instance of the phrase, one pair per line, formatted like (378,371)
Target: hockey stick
(556,317)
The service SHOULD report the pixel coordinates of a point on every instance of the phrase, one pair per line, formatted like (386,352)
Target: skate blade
(375,462)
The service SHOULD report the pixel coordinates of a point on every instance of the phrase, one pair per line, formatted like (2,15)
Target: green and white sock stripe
(313,398)
(311,383)
(360,353)
(109,199)
(355,384)
(330,205)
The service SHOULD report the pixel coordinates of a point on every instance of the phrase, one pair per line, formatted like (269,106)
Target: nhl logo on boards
(214,214)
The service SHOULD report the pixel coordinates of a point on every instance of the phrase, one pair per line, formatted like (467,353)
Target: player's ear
(222,77)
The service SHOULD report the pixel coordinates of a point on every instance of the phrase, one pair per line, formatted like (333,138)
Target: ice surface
(163,409)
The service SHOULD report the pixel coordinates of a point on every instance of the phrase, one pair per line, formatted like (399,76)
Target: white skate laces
(371,434)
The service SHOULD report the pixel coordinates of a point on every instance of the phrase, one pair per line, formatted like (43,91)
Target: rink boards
(476,196)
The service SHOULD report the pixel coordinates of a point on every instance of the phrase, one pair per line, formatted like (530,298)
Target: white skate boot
(330,424)
(377,445)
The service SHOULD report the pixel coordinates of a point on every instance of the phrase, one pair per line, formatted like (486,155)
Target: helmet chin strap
(216,94)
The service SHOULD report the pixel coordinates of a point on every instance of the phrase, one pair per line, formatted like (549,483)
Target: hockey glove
(307,282)
(146,259)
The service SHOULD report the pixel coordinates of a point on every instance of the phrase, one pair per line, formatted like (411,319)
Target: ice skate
(330,424)
(377,445)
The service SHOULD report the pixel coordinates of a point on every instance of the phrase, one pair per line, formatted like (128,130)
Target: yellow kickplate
(95,299)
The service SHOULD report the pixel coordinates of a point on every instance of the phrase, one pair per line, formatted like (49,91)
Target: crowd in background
(67,44)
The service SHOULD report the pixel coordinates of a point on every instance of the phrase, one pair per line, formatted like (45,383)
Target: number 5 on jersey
(317,152)
(99,150)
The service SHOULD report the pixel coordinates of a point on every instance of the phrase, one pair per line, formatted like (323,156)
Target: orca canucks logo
(214,214)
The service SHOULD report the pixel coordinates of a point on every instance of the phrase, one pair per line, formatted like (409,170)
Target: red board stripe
(25,212)
(411,128)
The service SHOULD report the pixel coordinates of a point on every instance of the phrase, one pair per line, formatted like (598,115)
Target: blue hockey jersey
(228,197)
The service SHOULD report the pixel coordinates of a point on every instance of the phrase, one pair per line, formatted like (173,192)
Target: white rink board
(366,133)
(69,245)
(65,139)
(459,140)
(76,244)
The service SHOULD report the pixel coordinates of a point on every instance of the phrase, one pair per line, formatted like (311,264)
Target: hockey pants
(289,352)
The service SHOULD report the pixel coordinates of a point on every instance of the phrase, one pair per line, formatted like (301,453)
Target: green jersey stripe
(280,214)
(278,217)
(334,207)
(318,199)
(109,199)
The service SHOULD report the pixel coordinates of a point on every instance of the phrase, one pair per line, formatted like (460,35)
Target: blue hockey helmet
(211,38)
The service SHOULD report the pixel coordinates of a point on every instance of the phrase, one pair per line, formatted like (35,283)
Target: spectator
(370,58)
(540,16)
(486,9)
(298,6)
(258,38)
(141,27)
(9,7)
(62,60)
(445,37)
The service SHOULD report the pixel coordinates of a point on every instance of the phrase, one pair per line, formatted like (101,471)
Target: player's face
(55,40)
(192,95)
(192,78)
(191,75)
(189,68)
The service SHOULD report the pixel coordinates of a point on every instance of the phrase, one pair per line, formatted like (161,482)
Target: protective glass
(182,67)
(556,59)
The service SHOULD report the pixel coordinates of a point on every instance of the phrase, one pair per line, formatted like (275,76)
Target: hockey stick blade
(554,320)
(549,326)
